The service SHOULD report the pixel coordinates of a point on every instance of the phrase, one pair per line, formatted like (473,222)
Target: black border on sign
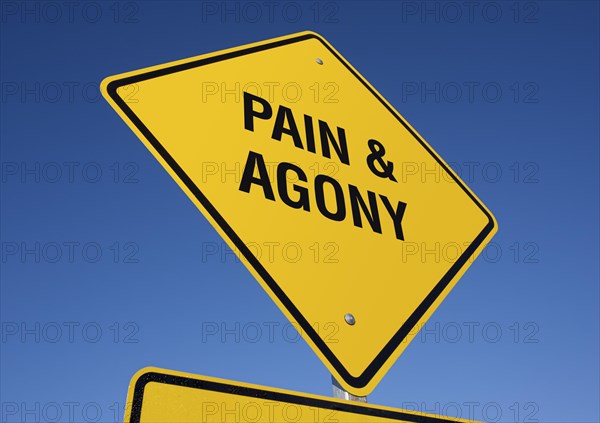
(355,381)
(265,394)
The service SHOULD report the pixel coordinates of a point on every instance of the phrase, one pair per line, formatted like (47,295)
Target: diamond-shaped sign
(350,221)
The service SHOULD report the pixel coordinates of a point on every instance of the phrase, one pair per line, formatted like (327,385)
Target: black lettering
(340,213)
(284,114)
(396,215)
(371,212)
(341,148)
(310,134)
(256,160)
(302,202)
(249,112)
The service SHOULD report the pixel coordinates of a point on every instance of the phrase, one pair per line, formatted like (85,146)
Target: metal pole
(339,392)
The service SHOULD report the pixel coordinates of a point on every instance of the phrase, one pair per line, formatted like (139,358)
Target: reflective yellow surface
(175,397)
(326,268)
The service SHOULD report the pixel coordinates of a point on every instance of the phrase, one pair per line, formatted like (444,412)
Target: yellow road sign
(350,221)
(164,396)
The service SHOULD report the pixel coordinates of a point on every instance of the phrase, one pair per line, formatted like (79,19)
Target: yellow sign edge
(147,375)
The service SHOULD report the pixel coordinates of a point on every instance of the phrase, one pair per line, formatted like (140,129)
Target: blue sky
(104,259)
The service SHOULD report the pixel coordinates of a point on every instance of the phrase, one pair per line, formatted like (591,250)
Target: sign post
(341,393)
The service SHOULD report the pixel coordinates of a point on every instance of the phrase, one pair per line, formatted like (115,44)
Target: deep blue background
(155,298)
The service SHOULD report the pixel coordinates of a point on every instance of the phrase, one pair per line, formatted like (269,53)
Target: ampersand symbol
(377,153)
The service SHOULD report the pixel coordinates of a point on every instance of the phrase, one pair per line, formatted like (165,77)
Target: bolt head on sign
(349,220)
